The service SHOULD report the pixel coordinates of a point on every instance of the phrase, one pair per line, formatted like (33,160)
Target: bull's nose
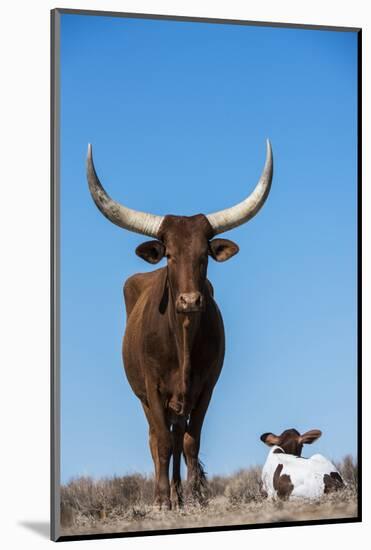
(189,301)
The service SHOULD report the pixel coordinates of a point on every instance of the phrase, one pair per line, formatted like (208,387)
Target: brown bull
(173,347)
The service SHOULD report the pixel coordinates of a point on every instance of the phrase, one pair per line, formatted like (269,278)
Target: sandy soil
(219,512)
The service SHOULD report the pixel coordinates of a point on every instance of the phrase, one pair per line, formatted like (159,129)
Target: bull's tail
(201,473)
(198,490)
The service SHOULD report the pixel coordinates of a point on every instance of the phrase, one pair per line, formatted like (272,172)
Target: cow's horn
(243,212)
(133,220)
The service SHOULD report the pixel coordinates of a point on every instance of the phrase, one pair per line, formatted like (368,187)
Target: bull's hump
(139,287)
(141,282)
(148,277)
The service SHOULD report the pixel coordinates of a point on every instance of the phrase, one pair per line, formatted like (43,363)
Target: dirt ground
(219,512)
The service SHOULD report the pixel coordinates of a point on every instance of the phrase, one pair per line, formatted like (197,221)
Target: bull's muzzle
(188,302)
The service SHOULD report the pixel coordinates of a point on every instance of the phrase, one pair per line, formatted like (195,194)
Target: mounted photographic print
(205,275)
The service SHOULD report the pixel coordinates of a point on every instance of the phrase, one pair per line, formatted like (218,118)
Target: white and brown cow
(287,475)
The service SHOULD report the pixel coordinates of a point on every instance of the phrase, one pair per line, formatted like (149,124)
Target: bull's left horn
(243,212)
(133,220)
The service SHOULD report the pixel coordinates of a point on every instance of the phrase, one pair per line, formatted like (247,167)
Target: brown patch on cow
(290,440)
(277,451)
(332,482)
(282,483)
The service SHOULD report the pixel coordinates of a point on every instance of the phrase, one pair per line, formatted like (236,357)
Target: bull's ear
(310,437)
(151,251)
(222,249)
(270,439)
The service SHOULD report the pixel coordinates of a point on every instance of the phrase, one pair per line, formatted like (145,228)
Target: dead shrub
(217,485)
(348,469)
(97,499)
(244,486)
(68,516)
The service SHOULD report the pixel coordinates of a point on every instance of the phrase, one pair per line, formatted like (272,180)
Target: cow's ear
(151,251)
(222,249)
(270,439)
(310,437)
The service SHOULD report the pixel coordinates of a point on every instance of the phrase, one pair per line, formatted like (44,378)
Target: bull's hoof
(177,504)
(176,496)
(162,503)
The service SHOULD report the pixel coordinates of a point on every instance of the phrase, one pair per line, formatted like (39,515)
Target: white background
(24,288)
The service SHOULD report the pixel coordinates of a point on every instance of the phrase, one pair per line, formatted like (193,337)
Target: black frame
(55,263)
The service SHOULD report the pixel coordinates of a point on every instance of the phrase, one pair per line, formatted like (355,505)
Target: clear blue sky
(178,114)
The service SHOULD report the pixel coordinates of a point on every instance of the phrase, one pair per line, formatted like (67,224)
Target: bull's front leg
(161,447)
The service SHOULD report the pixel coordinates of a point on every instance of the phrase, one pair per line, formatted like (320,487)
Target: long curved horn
(133,220)
(243,212)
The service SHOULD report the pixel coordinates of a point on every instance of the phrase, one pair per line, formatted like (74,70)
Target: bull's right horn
(133,220)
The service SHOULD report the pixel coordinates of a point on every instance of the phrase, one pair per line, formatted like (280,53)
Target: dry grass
(122,504)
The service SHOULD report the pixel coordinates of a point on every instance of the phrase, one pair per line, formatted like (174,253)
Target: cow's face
(186,244)
(290,440)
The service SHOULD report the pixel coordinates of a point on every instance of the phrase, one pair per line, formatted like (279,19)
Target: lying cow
(287,475)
